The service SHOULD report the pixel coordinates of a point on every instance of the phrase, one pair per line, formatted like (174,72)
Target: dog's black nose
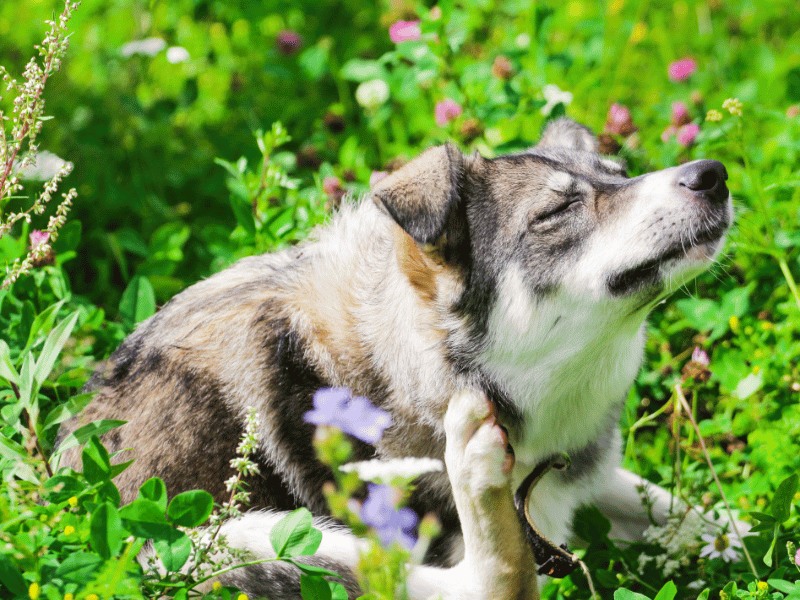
(706,177)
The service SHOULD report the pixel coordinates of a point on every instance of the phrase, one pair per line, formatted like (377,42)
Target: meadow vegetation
(180,136)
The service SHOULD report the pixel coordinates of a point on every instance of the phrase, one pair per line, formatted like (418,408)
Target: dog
(482,302)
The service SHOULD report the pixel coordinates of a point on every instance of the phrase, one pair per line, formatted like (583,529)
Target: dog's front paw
(477,453)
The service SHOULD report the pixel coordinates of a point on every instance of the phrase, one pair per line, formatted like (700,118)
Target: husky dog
(480,302)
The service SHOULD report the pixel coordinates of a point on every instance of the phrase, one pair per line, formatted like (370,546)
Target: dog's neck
(564,362)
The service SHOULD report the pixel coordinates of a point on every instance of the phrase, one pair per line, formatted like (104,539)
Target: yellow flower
(767,325)
(92,597)
(713,115)
(242,597)
(69,530)
(615,6)
(762,585)
(68,596)
(73,502)
(733,106)
(33,591)
(217,586)
(734,322)
(756,369)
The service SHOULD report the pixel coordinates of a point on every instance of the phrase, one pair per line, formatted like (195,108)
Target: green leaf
(85,433)
(12,450)
(290,533)
(173,549)
(11,577)
(190,509)
(69,486)
(782,501)
(155,489)
(43,322)
(52,347)
(106,531)
(749,385)
(7,370)
(784,586)
(65,411)
(312,569)
(338,591)
(359,69)
(138,301)
(145,519)
(314,588)
(96,463)
(243,212)
(667,592)
(704,594)
(623,594)
(27,393)
(79,566)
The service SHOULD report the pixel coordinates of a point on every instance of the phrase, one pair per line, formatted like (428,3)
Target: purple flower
(680,114)
(446,110)
(699,356)
(288,42)
(687,133)
(797,558)
(355,416)
(37,238)
(378,512)
(404,31)
(681,70)
(619,120)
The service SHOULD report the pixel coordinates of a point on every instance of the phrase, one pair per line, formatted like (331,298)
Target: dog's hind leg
(498,563)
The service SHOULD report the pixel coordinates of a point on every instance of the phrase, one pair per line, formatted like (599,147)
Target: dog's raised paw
(477,452)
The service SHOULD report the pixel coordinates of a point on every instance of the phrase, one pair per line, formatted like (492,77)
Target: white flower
(721,546)
(44,167)
(384,471)
(553,95)
(372,94)
(148,47)
(177,54)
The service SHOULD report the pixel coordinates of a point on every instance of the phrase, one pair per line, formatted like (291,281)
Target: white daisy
(721,546)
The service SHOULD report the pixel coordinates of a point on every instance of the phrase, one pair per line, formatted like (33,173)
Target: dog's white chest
(564,363)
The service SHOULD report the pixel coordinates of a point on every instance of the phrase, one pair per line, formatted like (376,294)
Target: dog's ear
(566,133)
(423,195)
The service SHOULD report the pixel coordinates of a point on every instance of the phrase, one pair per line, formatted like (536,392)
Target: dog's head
(563,218)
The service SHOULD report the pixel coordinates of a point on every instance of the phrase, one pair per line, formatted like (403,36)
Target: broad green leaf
(106,531)
(154,489)
(782,500)
(291,532)
(173,548)
(65,411)
(11,577)
(68,486)
(52,347)
(138,301)
(768,556)
(338,591)
(79,566)
(667,592)
(314,588)
(787,587)
(704,594)
(145,519)
(120,467)
(243,211)
(190,509)
(85,433)
(96,463)
(623,594)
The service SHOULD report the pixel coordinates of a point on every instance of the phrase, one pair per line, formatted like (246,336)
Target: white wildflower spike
(386,471)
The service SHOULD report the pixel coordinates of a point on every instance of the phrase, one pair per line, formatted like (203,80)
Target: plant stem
(688,409)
